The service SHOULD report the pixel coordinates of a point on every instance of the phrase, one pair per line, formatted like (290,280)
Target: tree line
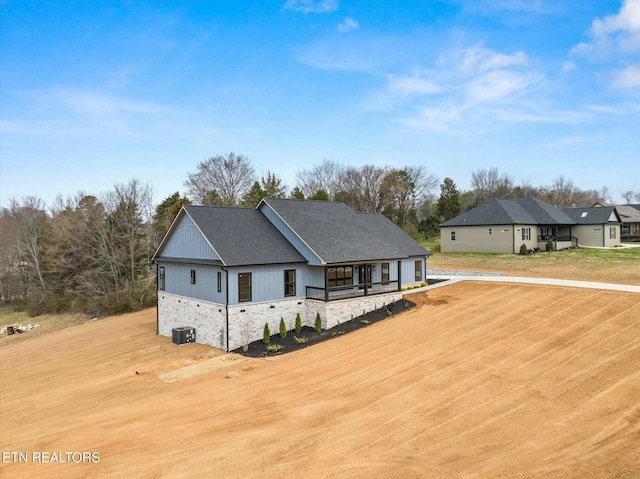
(93,253)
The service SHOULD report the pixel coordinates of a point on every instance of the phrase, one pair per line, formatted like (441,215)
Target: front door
(364,275)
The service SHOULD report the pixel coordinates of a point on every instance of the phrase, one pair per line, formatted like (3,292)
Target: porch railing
(559,238)
(352,291)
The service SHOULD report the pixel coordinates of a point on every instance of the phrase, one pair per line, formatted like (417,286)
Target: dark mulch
(258,349)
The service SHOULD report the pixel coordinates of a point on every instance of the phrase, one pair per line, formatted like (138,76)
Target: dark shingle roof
(527,210)
(338,234)
(243,236)
(591,216)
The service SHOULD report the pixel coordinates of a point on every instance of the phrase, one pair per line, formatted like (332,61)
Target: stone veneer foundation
(247,320)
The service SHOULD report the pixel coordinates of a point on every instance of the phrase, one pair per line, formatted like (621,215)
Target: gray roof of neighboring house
(592,216)
(242,236)
(337,234)
(629,213)
(527,210)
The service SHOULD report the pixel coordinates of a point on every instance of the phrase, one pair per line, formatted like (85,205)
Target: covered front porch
(357,280)
(561,237)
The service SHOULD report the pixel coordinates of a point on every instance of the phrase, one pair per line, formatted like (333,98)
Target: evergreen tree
(448,205)
(283,328)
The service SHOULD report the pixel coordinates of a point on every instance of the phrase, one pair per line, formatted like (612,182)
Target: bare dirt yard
(479,380)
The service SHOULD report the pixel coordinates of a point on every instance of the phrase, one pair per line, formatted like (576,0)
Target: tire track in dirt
(483,385)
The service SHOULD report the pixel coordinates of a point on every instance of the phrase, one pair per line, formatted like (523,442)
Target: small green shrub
(523,249)
(318,323)
(365,321)
(266,334)
(549,246)
(301,340)
(283,328)
(388,311)
(298,323)
(273,348)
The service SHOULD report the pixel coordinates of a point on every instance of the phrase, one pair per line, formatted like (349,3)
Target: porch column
(400,275)
(365,275)
(326,285)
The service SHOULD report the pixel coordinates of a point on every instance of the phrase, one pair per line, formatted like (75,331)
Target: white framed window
(453,236)
(612,232)
(490,231)
(526,234)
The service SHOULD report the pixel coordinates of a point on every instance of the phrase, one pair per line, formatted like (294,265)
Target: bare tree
(360,187)
(29,221)
(223,179)
(562,193)
(325,176)
(636,196)
(605,195)
(628,196)
(490,184)
(129,209)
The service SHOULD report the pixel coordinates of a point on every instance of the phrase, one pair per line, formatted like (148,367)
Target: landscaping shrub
(523,249)
(301,340)
(273,348)
(283,328)
(266,334)
(298,323)
(549,246)
(318,323)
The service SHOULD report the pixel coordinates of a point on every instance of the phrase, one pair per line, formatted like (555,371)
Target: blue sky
(97,92)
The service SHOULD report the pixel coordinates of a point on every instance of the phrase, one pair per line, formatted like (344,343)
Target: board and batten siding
(186,241)
(267,282)
(178,281)
(297,243)
(408,269)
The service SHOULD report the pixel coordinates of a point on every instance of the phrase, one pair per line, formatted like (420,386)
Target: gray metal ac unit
(183,335)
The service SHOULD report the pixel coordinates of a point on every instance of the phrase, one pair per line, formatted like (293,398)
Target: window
(385,272)
(193,276)
(340,276)
(612,232)
(219,281)
(419,270)
(453,236)
(490,231)
(244,287)
(526,234)
(289,282)
(161,278)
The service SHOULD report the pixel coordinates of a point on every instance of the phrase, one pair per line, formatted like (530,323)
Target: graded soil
(477,380)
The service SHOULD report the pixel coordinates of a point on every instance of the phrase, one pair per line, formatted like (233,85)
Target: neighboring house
(630,218)
(227,271)
(502,226)
(596,226)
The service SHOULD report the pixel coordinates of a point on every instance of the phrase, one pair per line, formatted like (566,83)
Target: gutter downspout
(226,305)
(513,239)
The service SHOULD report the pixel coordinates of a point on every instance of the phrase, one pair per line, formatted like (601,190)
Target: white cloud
(615,34)
(311,6)
(410,85)
(570,141)
(348,24)
(567,67)
(627,20)
(627,78)
(497,85)
(478,59)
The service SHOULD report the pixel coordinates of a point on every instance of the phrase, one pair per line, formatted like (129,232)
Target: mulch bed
(257,349)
